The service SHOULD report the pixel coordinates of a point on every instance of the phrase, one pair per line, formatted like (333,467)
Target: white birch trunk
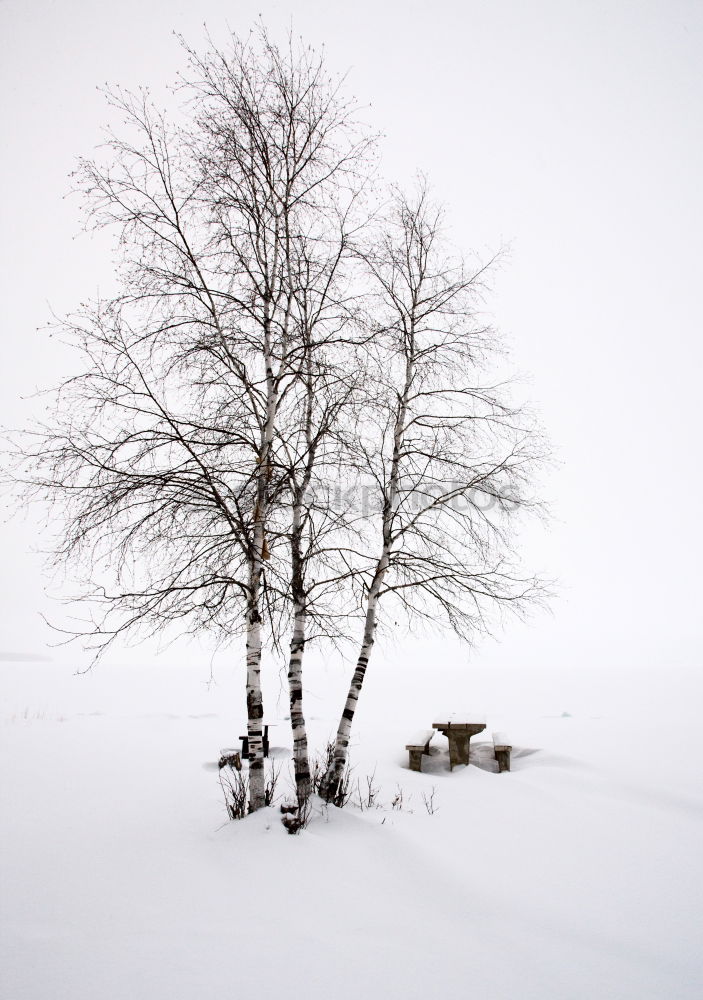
(255,709)
(301,761)
(255,705)
(333,777)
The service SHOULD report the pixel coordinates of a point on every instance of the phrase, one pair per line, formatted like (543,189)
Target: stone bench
(501,749)
(417,746)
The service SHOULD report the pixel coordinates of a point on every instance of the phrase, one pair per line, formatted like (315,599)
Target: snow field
(576,875)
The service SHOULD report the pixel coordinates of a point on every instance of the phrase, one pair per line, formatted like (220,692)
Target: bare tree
(281,159)
(162,452)
(265,338)
(448,457)
(307,449)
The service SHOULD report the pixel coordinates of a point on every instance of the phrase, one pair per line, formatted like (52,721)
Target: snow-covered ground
(577,875)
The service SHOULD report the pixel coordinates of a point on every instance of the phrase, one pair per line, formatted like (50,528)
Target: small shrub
(319,766)
(318,769)
(397,800)
(235,788)
(296,816)
(368,797)
(234,782)
(429,802)
(271,782)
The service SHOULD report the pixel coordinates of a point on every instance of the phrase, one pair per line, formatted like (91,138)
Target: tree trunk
(333,777)
(301,761)
(255,707)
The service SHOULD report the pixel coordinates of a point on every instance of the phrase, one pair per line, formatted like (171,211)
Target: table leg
(458,749)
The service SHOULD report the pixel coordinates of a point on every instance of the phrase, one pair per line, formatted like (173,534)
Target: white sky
(571,129)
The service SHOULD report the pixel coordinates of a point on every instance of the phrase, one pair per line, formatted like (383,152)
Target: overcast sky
(570,129)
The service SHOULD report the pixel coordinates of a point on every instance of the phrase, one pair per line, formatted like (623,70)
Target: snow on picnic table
(576,875)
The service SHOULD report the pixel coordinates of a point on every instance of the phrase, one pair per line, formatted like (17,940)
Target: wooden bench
(245,743)
(417,746)
(501,749)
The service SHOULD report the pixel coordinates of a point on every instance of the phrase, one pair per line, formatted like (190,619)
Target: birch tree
(449,458)
(263,338)
(281,170)
(203,346)
(308,451)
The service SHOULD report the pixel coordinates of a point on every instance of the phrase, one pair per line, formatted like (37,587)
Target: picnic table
(459,728)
